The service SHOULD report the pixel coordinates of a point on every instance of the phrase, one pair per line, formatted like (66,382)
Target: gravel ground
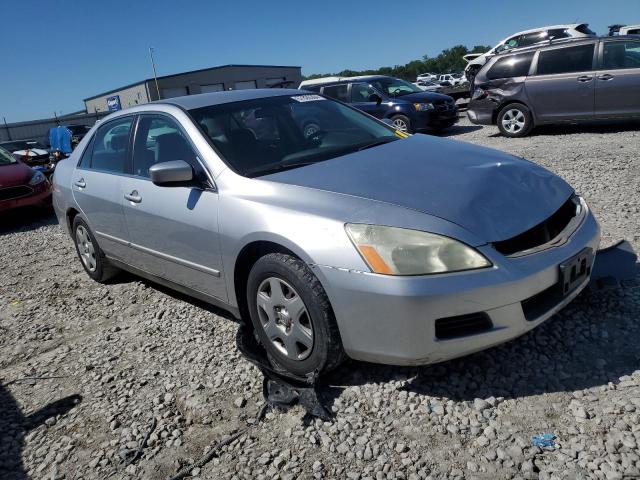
(119,358)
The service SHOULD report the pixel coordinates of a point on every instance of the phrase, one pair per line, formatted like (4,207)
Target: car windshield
(6,158)
(22,145)
(394,87)
(267,135)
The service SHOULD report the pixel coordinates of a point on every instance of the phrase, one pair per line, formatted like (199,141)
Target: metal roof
(187,73)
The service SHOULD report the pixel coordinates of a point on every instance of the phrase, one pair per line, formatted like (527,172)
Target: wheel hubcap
(86,249)
(513,121)
(400,125)
(284,318)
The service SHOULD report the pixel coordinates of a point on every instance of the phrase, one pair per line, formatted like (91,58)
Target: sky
(58,52)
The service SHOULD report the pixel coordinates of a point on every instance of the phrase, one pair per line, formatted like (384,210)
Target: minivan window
(362,93)
(394,87)
(512,66)
(618,55)
(110,146)
(339,92)
(566,60)
(267,135)
(159,139)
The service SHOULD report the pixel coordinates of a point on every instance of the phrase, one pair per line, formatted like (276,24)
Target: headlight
(399,251)
(421,107)
(38,178)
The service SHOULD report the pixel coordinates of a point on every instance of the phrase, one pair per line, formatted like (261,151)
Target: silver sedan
(327,231)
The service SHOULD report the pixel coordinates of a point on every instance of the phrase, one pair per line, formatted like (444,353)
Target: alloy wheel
(400,124)
(513,121)
(86,248)
(285,319)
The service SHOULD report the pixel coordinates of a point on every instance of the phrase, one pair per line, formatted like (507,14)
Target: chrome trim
(563,237)
(164,256)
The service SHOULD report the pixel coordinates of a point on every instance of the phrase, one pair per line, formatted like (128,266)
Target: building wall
(39,129)
(129,97)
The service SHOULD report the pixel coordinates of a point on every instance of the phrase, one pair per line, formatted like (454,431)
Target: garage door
(214,87)
(245,85)
(174,92)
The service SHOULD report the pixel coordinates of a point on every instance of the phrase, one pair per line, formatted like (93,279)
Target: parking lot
(121,355)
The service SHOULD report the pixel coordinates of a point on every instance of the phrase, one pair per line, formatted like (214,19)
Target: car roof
(189,102)
(562,41)
(338,80)
(550,27)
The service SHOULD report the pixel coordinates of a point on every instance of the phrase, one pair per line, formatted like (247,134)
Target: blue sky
(57,52)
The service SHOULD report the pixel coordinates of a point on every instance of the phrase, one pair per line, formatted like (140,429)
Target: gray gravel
(135,352)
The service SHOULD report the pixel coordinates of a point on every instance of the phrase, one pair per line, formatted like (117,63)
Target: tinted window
(362,93)
(618,55)
(559,33)
(532,38)
(566,60)
(266,135)
(110,146)
(584,28)
(158,139)
(339,92)
(85,161)
(311,88)
(6,158)
(509,67)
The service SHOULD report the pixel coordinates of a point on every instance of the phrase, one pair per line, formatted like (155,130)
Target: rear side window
(339,92)
(110,146)
(509,67)
(566,60)
(85,161)
(618,55)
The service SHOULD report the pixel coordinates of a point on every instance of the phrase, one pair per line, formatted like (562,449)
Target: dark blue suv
(407,107)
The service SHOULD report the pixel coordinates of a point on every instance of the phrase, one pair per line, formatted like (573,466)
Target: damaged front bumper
(432,318)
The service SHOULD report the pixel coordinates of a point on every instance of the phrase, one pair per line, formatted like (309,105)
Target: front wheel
(292,316)
(515,121)
(402,123)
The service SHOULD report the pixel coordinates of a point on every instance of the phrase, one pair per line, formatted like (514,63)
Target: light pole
(155,76)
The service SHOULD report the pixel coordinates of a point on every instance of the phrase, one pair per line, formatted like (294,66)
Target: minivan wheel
(402,123)
(292,316)
(515,121)
(91,256)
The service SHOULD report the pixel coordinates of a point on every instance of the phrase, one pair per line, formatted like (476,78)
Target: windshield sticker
(308,98)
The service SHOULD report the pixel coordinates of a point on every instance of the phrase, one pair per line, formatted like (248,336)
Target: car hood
(423,97)
(15,174)
(33,152)
(491,194)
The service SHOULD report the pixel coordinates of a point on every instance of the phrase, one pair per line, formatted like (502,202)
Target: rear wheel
(515,121)
(91,256)
(402,123)
(292,316)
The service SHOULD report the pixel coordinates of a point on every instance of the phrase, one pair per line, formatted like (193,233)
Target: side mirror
(374,97)
(166,173)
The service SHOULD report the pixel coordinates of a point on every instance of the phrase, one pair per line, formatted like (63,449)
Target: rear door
(562,86)
(173,229)
(364,97)
(618,79)
(97,185)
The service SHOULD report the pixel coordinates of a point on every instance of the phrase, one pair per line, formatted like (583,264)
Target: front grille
(541,233)
(536,306)
(14,192)
(444,106)
(462,325)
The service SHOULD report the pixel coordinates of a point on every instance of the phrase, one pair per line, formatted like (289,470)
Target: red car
(21,185)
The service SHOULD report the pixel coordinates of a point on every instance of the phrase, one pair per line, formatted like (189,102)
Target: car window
(85,160)
(6,158)
(584,28)
(110,146)
(394,87)
(512,66)
(531,39)
(265,135)
(361,93)
(566,60)
(617,55)
(559,33)
(510,43)
(339,92)
(159,139)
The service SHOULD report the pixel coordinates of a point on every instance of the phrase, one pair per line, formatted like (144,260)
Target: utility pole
(55,115)
(155,76)
(7,127)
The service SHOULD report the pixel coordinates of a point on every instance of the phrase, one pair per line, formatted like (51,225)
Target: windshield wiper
(380,141)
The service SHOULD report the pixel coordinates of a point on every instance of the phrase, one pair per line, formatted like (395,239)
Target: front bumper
(40,197)
(391,320)
(435,119)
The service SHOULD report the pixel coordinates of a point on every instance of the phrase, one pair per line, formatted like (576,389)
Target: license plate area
(574,271)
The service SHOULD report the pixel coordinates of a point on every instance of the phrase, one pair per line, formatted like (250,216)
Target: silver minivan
(564,81)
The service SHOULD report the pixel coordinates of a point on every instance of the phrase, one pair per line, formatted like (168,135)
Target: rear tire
(515,121)
(292,316)
(90,254)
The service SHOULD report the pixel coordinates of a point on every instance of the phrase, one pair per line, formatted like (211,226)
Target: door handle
(80,183)
(133,197)
(585,78)
(606,77)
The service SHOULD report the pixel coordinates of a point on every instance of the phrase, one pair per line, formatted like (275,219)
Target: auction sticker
(308,98)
